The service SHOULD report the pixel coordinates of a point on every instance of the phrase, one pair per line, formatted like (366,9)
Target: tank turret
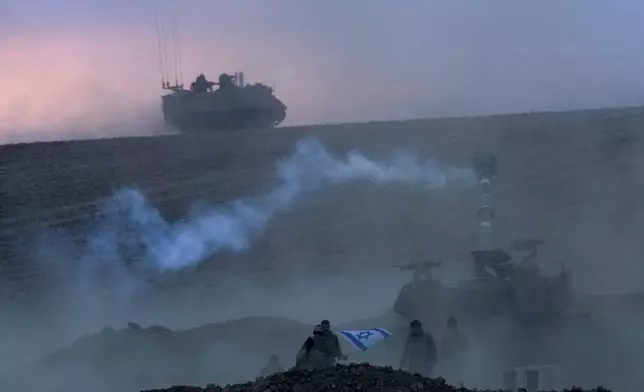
(422,270)
(421,293)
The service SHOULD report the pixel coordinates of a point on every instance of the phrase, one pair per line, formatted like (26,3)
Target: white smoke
(172,246)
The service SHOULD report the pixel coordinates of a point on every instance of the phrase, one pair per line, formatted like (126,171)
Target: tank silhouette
(227,104)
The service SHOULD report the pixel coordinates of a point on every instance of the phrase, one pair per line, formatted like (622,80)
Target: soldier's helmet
(318,330)
(326,324)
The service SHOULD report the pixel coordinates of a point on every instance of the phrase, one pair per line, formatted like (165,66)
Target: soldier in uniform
(272,367)
(453,348)
(313,354)
(419,354)
(201,84)
(333,350)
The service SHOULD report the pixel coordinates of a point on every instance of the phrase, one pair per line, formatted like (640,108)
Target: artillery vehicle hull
(520,300)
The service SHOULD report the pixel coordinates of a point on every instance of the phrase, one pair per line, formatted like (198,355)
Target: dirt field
(559,174)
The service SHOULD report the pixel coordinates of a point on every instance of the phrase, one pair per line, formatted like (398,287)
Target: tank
(225,105)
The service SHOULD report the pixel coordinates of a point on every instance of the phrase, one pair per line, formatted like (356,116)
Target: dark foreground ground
(356,377)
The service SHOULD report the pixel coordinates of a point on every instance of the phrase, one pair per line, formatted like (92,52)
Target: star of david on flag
(364,339)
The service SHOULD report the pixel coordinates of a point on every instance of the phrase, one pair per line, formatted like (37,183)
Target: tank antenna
(162,69)
(180,56)
(175,50)
(485,167)
(164,48)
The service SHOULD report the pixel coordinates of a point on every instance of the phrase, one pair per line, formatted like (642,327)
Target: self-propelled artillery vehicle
(497,288)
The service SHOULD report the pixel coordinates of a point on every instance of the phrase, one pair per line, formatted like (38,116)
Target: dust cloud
(130,263)
(132,241)
(186,243)
(598,350)
(80,72)
(79,98)
(113,291)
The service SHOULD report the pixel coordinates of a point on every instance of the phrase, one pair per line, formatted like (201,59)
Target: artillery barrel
(485,166)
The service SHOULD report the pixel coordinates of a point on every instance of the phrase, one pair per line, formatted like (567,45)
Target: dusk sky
(77,68)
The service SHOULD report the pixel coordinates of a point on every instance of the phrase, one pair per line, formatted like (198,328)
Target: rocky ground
(354,377)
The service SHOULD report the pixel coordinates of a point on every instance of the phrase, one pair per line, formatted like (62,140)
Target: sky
(80,68)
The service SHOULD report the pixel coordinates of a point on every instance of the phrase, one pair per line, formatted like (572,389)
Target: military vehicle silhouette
(497,287)
(225,105)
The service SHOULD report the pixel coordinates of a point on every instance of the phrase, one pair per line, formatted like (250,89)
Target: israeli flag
(364,339)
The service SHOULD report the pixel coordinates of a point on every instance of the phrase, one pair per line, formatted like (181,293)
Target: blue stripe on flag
(353,340)
(383,332)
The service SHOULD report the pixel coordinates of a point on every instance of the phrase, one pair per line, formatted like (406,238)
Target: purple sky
(68,64)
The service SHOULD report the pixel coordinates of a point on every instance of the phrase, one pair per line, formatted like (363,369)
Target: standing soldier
(453,347)
(332,344)
(419,354)
(312,355)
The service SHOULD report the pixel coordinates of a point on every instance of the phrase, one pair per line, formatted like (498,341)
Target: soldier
(313,355)
(226,80)
(419,354)
(272,367)
(332,344)
(201,84)
(453,347)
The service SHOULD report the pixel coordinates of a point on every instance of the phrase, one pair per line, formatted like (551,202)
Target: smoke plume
(174,245)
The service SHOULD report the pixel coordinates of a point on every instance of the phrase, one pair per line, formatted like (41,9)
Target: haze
(86,69)
(79,69)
